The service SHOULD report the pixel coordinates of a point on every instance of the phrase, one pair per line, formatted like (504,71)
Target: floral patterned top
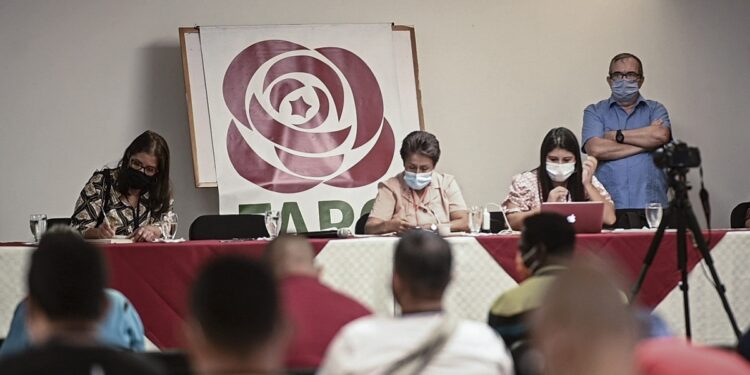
(123,218)
(525,192)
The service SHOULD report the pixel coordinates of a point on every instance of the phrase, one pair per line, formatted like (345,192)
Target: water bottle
(485,220)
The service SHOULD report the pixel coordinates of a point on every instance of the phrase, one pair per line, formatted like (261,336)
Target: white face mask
(560,172)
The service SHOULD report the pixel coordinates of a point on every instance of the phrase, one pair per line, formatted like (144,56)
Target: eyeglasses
(148,170)
(628,76)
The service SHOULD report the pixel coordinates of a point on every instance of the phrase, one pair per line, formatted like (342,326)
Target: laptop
(586,217)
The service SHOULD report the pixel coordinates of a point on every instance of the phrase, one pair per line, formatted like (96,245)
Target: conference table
(156,276)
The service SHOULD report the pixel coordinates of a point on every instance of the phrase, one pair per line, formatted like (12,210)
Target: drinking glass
(38,224)
(273,223)
(168,225)
(475,219)
(653,214)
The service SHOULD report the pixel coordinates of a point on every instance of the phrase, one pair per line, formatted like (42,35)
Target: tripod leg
(720,288)
(682,266)
(649,257)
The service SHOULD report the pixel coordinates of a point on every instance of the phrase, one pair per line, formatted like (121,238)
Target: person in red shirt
(677,356)
(315,311)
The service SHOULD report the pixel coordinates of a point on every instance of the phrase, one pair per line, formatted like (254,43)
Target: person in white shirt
(424,338)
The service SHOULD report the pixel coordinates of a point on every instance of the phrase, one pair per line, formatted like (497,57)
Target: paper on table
(175,240)
(113,240)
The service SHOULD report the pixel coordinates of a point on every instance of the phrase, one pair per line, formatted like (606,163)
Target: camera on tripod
(677,154)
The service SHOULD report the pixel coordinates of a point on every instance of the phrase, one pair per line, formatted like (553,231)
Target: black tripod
(681,212)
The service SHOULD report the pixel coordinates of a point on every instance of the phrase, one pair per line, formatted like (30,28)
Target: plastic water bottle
(485,220)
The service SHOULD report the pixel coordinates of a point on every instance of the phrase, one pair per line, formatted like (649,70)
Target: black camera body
(677,155)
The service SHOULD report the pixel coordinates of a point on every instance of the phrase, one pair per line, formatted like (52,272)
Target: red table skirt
(156,277)
(626,249)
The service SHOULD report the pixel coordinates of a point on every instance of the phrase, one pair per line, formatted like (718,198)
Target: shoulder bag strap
(416,361)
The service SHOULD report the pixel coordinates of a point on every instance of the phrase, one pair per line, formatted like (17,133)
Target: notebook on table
(586,217)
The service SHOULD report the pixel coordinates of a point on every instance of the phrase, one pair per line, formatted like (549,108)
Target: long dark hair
(160,191)
(565,139)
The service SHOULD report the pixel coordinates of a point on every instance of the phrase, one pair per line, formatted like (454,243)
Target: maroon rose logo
(315,117)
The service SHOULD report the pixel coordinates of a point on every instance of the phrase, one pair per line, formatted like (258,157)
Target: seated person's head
(66,282)
(234,317)
(420,152)
(290,255)
(560,162)
(422,265)
(145,165)
(584,325)
(546,238)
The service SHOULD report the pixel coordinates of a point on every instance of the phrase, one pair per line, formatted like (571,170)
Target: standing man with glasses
(622,132)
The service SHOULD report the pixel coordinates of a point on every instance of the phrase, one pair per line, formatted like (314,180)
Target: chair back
(359,227)
(172,362)
(58,221)
(497,221)
(737,217)
(227,227)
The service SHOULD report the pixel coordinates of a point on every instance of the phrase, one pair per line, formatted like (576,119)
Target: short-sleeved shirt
(120,215)
(509,313)
(526,194)
(677,356)
(316,313)
(395,200)
(121,328)
(634,181)
(371,344)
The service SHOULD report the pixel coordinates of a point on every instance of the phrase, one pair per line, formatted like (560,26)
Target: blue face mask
(417,181)
(624,90)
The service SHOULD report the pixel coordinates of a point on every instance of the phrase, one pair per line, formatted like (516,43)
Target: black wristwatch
(619,137)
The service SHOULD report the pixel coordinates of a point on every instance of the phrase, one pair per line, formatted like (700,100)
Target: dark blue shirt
(634,181)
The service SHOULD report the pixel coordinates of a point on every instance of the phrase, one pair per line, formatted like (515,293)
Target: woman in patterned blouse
(130,199)
(560,177)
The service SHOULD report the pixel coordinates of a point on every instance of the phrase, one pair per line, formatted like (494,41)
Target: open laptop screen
(586,217)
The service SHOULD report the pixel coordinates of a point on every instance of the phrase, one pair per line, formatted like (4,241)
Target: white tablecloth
(709,322)
(362,268)
(13,267)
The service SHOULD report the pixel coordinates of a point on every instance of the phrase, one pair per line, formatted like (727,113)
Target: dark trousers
(635,218)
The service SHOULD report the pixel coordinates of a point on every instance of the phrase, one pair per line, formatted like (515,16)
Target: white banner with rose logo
(305,119)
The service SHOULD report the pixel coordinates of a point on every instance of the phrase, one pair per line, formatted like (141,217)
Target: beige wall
(79,79)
